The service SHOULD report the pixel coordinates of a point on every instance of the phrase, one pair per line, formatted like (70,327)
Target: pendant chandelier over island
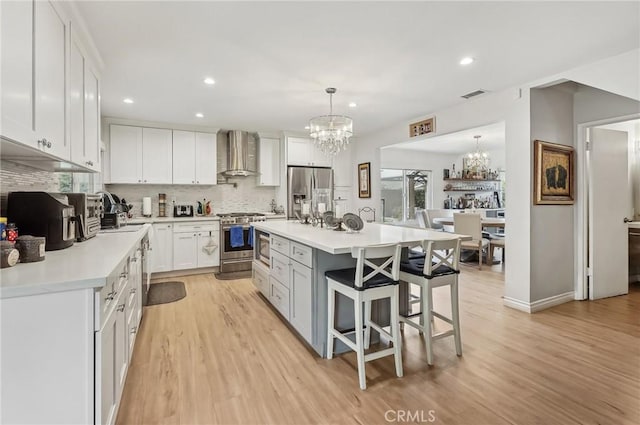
(331,133)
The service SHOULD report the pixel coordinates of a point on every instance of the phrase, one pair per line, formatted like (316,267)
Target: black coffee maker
(43,214)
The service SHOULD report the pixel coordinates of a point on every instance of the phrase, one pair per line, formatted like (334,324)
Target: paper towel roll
(146,206)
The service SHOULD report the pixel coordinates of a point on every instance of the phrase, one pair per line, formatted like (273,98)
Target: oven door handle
(229,227)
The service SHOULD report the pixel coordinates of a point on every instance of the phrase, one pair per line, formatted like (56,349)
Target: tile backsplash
(14,177)
(244,197)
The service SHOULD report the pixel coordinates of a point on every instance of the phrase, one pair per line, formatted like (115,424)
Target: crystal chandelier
(477,161)
(331,133)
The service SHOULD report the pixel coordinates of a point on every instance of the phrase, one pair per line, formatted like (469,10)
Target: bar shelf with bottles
(473,183)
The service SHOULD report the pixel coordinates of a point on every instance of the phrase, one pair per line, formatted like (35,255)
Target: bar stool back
(439,267)
(366,282)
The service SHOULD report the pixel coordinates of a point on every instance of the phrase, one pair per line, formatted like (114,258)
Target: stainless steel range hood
(238,155)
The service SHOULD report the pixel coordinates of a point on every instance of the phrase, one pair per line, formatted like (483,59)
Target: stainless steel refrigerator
(300,184)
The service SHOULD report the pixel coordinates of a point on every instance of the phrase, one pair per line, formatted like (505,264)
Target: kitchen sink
(125,228)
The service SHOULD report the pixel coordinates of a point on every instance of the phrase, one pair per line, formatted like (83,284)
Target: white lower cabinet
(196,245)
(162,247)
(185,250)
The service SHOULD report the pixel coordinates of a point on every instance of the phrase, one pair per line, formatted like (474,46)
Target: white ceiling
(397,61)
(460,142)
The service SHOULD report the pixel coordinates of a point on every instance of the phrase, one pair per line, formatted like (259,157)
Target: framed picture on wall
(364,180)
(553,174)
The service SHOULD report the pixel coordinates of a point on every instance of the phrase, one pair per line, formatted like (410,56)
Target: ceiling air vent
(473,93)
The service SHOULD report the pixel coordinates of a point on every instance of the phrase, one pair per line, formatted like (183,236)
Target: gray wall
(552,226)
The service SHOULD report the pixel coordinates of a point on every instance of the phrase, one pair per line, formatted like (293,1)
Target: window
(404,191)
(76,182)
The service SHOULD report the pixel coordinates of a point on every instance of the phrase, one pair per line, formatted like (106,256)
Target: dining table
(485,221)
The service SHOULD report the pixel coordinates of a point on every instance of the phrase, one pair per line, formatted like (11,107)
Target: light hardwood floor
(222,355)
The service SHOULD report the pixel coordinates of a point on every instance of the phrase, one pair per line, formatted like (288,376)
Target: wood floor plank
(223,355)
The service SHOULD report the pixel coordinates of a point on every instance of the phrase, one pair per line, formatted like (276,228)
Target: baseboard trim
(187,272)
(539,305)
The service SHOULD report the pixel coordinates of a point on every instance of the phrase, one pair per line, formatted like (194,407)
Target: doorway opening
(611,155)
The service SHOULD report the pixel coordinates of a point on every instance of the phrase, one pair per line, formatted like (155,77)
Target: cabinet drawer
(261,280)
(197,226)
(279,297)
(280,244)
(300,253)
(280,268)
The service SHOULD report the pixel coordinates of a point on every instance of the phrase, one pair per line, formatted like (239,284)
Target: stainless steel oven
(236,257)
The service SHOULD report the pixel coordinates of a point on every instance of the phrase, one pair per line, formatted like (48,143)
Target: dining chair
(471,225)
(424,220)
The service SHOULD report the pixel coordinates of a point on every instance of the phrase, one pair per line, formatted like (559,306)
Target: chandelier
(331,133)
(477,161)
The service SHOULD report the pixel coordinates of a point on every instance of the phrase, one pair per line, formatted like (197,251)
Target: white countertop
(140,220)
(335,242)
(83,265)
(634,225)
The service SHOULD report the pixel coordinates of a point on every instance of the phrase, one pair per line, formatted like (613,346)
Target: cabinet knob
(139,181)
(89,163)
(145,181)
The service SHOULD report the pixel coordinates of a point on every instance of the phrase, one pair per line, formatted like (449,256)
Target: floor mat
(166,292)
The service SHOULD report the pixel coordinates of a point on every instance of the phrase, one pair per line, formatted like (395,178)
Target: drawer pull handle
(134,329)
(133,290)
(120,307)
(110,296)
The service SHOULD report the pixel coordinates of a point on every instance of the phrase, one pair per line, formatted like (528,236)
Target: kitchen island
(291,275)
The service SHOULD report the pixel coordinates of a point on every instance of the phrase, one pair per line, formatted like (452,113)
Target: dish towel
(237,236)
(250,241)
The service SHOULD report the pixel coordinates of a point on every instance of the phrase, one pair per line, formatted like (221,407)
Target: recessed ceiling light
(306,127)
(352,104)
(199,115)
(466,61)
(127,100)
(209,81)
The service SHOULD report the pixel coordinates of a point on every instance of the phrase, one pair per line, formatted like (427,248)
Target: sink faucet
(273,205)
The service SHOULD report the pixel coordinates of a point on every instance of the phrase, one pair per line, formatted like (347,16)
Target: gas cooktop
(240,218)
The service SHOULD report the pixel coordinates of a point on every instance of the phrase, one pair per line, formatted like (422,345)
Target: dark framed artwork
(554,174)
(364,180)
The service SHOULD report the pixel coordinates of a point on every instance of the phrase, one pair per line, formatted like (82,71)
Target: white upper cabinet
(84,109)
(302,151)
(126,154)
(268,162)
(140,155)
(206,158)
(34,40)
(194,157)
(184,152)
(91,118)
(50,39)
(16,46)
(156,156)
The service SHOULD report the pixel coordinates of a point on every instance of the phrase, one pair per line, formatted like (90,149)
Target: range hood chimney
(238,154)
